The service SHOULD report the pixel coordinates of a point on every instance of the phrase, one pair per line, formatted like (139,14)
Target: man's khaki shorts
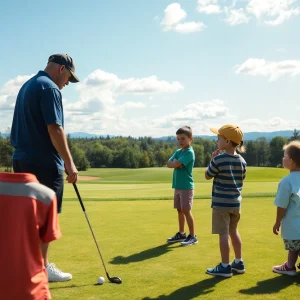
(225,221)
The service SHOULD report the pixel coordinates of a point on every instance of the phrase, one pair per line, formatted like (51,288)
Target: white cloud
(272,69)
(203,110)
(209,7)
(194,113)
(273,124)
(102,81)
(8,97)
(86,106)
(271,12)
(99,111)
(115,122)
(13,86)
(281,10)
(283,16)
(9,92)
(7,102)
(173,15)
(236,17)
(189,27)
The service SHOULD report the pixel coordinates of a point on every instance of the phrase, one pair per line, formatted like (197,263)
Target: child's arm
(279,217)
(282,201)
(244,173)
(212,169)
(174,164)
(207,177)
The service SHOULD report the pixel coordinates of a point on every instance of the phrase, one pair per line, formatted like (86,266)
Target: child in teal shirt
(183,184)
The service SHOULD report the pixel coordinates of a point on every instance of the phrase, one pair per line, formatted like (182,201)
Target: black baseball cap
(67,61)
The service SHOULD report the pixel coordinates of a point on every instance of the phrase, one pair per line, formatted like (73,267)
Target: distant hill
(248,136)
(83,135)
(79,135)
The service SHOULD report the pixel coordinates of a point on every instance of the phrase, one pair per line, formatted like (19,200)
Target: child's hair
(293,151)
(185,130)
(240,147)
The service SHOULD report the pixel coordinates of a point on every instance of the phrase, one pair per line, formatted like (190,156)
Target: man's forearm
(59,141)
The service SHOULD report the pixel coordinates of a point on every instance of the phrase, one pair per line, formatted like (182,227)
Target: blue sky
(149,67)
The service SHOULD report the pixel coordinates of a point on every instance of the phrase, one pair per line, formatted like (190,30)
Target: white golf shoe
(56,275)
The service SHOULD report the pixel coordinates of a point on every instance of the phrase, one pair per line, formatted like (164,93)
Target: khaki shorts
(225,221)
(183,199)
(292,245)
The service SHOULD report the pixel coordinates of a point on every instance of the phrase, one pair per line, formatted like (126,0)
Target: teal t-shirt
(183,177)
(288,197)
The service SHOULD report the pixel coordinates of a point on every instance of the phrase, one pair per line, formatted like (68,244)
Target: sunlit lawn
(132,237)
(160,175)
(155,183)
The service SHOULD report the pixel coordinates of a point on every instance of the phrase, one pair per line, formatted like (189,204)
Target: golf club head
(117,280)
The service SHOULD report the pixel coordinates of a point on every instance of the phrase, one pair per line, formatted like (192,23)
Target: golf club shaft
(83,208)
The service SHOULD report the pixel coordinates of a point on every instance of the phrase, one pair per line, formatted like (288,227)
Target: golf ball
(101,280)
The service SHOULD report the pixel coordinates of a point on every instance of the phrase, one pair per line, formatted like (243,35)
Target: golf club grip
(78,196)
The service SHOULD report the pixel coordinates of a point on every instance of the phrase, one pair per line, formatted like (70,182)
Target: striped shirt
(229,172)
(28,218)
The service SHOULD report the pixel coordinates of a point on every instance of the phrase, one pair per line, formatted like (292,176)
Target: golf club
(111,279)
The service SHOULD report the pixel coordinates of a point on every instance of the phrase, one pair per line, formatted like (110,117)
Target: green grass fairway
(159,191)
(132,236)
(155,183)
(164,175)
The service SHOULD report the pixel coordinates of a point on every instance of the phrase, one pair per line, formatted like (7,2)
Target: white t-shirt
(288,197)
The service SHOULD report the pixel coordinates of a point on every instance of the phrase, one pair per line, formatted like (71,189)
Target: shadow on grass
(272,285)
(190,292)
(70,286)
(141,256)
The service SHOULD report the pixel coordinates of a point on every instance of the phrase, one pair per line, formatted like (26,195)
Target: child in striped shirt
(228,171)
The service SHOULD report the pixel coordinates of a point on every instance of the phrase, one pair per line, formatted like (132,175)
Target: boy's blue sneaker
(238,267)
(190,240)
(178,237)
(219,270)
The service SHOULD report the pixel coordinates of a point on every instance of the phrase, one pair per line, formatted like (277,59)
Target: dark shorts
(292,245)
(52,178)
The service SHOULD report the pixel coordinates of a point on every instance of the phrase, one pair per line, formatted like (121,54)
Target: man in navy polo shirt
(38,135)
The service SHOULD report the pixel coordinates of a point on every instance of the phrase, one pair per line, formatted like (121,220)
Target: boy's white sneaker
(190,240)
(56,275)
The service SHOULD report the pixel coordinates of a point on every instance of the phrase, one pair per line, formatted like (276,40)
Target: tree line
(145,152)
